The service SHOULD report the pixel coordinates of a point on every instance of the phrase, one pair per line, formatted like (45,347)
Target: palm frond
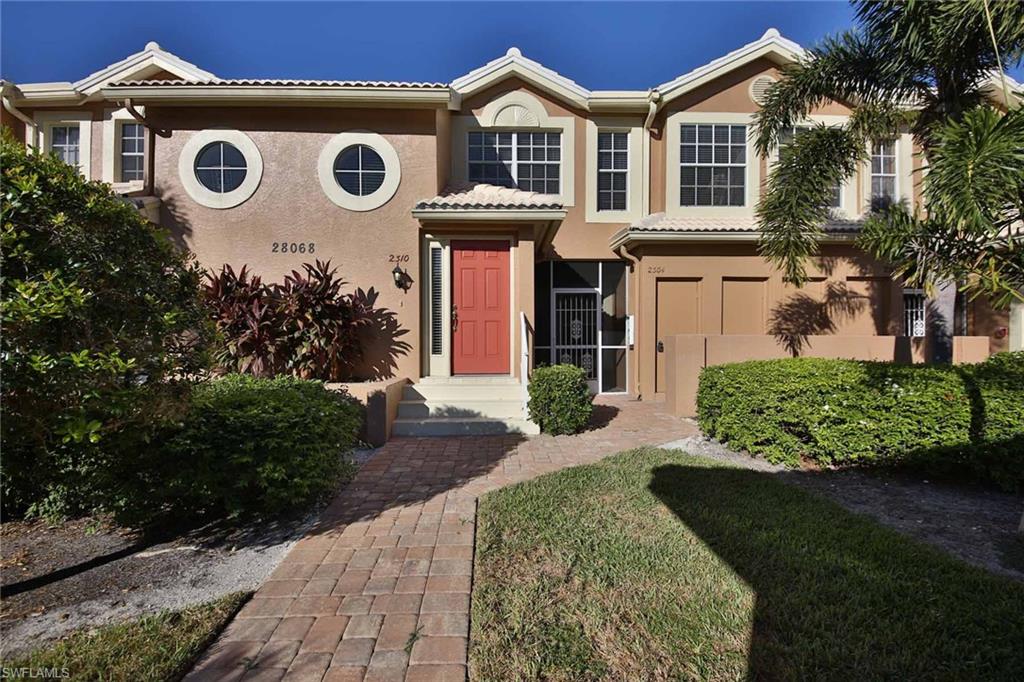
(794,208)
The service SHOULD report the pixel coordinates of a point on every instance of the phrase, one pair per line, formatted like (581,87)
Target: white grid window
(787,135)
(883,171)
(64,142)
(133,145)
(914,313)
(612,171)
(529,161)
(713,165)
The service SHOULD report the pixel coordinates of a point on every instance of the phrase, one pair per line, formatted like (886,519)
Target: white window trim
(47,120)
(113,119)
(330,186)
(208,198)
(904,171)
(895,175)
(634,180)
(752,177)
(512,112)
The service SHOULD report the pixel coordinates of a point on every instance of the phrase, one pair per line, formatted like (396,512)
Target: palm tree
(933,68)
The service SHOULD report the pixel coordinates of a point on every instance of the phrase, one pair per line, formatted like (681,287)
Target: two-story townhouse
(509,218)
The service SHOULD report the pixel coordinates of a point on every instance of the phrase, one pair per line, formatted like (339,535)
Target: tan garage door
(744,305)
(678,313)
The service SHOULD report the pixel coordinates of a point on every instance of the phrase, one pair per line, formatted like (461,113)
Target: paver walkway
(380,589)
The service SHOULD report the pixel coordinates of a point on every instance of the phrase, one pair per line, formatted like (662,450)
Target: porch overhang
(660,228)
(490,206)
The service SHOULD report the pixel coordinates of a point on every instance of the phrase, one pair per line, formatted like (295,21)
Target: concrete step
(462,393)
(421,408)
(461,426)
(472,380)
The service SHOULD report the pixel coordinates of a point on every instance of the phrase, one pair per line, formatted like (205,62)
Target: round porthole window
(359,170)
(220,168)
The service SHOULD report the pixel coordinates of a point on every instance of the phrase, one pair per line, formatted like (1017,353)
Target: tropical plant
(932,68)
(305,327)
(102,326)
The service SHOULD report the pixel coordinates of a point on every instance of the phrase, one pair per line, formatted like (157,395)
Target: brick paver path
(380,589)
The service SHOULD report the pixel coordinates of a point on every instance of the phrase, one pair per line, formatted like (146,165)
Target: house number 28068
(293,247)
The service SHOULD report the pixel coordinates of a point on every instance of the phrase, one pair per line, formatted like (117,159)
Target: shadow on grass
(839,597)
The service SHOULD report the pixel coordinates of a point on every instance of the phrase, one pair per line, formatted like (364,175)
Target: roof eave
(771,45)
(489,215)
(628,236)
(243,95)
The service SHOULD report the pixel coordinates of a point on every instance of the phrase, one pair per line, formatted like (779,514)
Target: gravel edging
(198,567)
(974,524)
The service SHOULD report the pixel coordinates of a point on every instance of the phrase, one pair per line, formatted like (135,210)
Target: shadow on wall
(802,315)
(867,293)
(381,340)
(831,595)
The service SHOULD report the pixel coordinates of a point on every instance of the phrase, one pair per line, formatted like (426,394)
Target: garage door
(678,303)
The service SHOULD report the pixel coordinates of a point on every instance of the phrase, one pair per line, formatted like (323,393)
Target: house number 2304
(293,247)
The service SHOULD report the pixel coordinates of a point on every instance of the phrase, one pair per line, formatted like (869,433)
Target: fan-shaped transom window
(359,170)
(220,167)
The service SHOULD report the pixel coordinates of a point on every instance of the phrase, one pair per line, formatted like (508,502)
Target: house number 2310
(293,247)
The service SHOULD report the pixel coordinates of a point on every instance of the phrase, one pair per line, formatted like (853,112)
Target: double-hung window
(914,313)
(883,171)
(713,165)
(612,171)
(786,136)
(527,160)
(65,142)
(133,145)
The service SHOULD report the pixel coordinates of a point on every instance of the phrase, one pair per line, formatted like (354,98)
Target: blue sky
(607,45)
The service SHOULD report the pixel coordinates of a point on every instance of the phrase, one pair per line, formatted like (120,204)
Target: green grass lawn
(160,647)
(656,565)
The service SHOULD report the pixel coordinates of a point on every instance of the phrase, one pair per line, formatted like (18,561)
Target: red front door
(480,278)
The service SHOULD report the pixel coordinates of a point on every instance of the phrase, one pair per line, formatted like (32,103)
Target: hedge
(964,420)
(560,400)
(252,445)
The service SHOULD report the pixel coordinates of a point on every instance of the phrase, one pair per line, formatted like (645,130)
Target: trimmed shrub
(253,445)
(560,401)
(836,412)
(996,389)
(102,326)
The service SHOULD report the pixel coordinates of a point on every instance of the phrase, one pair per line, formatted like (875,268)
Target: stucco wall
(576,238)
(290,206)
(730,289)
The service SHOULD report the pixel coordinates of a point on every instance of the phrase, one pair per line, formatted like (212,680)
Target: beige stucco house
(508,218)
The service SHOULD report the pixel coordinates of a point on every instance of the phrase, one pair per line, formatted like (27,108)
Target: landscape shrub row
(963,420)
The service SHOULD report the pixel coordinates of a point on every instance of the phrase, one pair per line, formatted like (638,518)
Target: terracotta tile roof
(476,197)
(276,82)
(660,222)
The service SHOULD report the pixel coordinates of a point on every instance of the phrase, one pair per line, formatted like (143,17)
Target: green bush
(963,420)
(253,445)
(102,323)
(560,400)
(996,389)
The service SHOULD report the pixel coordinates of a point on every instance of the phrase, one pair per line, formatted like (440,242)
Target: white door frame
(441,365)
